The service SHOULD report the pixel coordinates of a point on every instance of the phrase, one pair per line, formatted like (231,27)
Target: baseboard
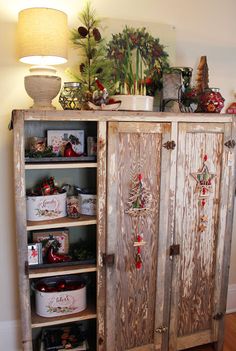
(231,300)
(9,335)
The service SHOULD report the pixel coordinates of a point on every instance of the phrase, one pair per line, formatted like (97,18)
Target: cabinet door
(202,228)
(136,296)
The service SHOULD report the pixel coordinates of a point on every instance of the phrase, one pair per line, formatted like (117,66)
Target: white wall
(203,27)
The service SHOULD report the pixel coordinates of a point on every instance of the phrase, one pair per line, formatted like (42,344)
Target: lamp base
(42,89)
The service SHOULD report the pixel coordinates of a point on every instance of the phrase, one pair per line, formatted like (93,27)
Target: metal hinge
(162,329)
(174,250)
(27,268)
(170,145)
(230,143)
(108,259)
(218,316)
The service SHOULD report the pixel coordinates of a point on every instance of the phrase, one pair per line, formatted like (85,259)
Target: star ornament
(204,181)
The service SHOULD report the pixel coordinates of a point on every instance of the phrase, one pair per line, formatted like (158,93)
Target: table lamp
(42,42)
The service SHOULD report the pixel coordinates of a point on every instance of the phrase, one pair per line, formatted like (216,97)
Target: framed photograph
(35,253)
(47,237)
(58,139)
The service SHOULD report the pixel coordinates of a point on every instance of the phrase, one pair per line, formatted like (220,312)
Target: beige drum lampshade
(42,41)
(42,36)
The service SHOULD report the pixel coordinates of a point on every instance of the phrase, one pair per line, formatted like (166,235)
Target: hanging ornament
(140,199)
(203,187)
(140,204)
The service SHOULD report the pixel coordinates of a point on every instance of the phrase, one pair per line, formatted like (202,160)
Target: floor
(230,336)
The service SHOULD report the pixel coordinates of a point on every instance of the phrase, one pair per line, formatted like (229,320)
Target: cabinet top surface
(106,116)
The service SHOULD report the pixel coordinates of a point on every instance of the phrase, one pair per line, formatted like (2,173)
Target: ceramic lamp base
(135,102)
(42,89)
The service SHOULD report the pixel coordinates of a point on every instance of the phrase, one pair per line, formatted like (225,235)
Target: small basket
(40,208)
(60,303)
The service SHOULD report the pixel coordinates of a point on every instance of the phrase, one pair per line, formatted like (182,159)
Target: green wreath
(138,59)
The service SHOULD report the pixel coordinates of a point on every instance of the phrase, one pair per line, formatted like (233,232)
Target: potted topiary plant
(138,63)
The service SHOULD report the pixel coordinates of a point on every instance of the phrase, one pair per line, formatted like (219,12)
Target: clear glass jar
(71,96)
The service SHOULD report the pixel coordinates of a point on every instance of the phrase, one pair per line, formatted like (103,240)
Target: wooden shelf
(60,165)
(61,222)
(89,313)
(49,272)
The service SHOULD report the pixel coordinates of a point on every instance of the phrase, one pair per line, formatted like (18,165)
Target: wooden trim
(132,116)
(164,240)
(111,227)
(196,339)
(101,233)
(68,165)
(21,233)
(38,321)
(62,222)
(174,283)
(228,182)
(49,272)
(149,347)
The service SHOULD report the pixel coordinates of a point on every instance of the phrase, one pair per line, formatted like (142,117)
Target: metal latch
(174,250)
(170,145)
(108,259)
(162,329)
(218,316)
(230,144)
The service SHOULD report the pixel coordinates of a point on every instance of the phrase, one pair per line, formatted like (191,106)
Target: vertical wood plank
(131,293)
(167,210)
(193,284)
(101,233)
(21,233)
(225,232)
(169,240)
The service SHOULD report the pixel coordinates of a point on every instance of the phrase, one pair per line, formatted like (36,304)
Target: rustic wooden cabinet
(161,272)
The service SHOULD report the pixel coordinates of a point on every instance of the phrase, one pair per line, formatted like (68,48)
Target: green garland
(136,74)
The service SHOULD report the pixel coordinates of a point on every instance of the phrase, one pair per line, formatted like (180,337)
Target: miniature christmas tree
(94,65)
(202,79)
(139,203)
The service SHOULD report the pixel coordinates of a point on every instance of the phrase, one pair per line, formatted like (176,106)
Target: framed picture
(47,237)
(58,139)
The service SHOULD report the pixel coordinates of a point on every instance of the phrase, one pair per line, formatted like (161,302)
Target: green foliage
(88,40)
(138,60)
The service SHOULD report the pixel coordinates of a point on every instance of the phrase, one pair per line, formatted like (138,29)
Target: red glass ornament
(61,285)
(42,287)
(211,101)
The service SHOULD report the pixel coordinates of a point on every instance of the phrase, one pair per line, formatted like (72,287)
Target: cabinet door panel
(199,229)
(133,148)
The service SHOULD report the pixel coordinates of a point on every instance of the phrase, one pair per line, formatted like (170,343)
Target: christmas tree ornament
(140,204)
(204,178)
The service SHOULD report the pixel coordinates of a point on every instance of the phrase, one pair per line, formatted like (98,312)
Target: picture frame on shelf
(58,140)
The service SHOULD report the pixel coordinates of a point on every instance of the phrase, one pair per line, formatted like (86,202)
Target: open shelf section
(61,222)
(88,313)
(61,165)
(49,272)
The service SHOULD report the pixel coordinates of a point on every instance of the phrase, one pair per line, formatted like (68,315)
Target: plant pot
(135,102)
